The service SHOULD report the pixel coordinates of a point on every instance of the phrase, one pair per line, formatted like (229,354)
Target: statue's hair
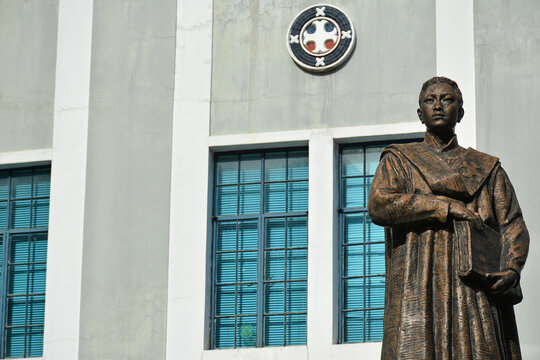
(441,80)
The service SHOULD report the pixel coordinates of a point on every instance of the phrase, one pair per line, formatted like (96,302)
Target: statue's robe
(429,312)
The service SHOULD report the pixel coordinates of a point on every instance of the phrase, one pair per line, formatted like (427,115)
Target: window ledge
(284,352)
(367,350)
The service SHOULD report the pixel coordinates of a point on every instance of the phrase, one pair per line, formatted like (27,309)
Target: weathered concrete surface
(507,49)
(256,86)
(27,73)
(126,230)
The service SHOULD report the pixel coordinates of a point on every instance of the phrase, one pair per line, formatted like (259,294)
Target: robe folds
(429,312)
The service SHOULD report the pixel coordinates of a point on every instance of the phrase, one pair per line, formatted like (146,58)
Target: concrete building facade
(130,101)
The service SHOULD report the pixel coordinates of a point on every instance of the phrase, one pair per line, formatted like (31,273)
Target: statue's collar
(439,146)
(461,180)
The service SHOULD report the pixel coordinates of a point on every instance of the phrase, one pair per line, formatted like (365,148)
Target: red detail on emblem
(310,46)
(329,44)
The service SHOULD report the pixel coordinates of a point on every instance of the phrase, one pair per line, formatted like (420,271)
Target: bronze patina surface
(418,191)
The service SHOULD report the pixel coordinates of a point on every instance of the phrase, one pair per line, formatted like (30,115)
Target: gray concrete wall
(126,229)
(507,51)
(27,72)
(256,87)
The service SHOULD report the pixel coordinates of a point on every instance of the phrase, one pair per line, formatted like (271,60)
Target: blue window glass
(24,218)
(362,249)
(259,287)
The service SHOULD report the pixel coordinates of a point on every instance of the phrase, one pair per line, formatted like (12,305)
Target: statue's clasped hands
(498,282)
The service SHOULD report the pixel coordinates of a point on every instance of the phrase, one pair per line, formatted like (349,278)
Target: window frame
(6,238)
(341,212)
(261,218)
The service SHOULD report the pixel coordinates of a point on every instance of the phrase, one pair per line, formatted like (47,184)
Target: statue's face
(439,109)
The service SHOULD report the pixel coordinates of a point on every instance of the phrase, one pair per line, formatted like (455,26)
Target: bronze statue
(419,191)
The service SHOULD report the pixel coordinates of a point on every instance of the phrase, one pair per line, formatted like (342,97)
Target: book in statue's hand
(479,253)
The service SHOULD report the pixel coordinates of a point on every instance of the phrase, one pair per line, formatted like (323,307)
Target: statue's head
(440,105)
(441,80)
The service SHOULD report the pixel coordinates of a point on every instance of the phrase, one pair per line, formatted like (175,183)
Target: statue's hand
(502,281)
(460,212)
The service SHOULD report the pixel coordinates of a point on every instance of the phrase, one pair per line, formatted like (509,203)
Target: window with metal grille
(24,218)
(361,248)
(259,285)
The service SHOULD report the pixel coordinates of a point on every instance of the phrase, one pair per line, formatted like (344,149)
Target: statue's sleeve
(392,204)
(512,228)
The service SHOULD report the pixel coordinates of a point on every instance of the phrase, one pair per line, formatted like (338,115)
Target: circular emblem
(320,38)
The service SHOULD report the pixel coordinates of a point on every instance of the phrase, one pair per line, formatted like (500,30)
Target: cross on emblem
(317,39)
(320,61)
(346,34)
(294,39)
(320,11)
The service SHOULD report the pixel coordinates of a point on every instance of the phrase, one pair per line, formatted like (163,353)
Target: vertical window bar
(260,283)
(6,270)
(286,181)
(213,320)
(215,200)
(364,174)
(5,267)
(5,259)
(214,275)
(365,239)
(9,225)
(285,252)
(27,289)
(236,290)
(285,309)
(28,265)
(261,236)
(341,239)
(238,187)
(341,285)
(31,203)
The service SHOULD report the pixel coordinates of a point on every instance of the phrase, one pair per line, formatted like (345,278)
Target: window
(259,284)
(24,218)
(361,247)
